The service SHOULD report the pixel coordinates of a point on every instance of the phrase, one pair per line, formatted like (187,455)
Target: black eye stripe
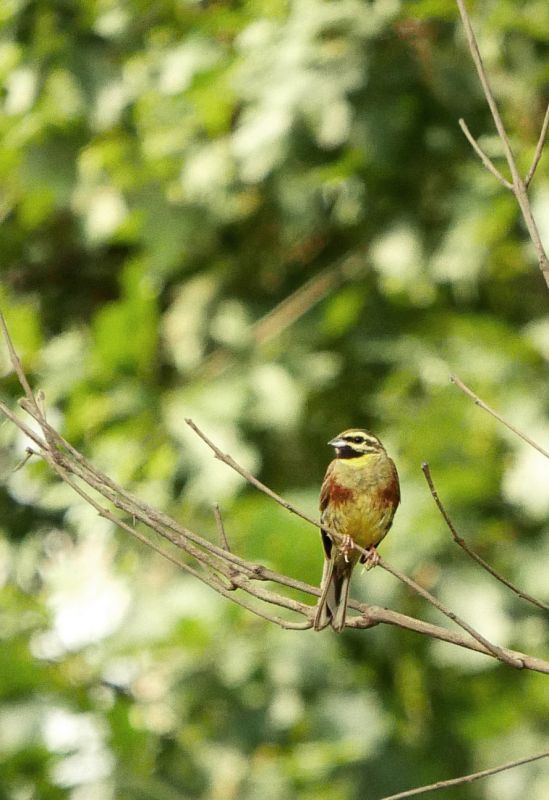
(360,439)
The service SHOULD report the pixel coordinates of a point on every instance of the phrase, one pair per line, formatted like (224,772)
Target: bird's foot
(372,559)
(346,546)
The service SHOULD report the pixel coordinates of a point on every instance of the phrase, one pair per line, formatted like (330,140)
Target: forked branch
(518,185)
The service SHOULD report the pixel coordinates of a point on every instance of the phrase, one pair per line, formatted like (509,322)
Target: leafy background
(171,173)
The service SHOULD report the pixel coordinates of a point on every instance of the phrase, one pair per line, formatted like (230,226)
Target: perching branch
(473,776)
(470,552)
(496,651)
(214,565)
(517,185)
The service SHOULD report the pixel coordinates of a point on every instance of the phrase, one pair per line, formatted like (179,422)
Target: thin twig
(221,528)
(16,364)
(519,186)
(229,460)
(539,149)
(477,400)
(204,576)
(37,408)
(488,94)
(270,597)
(470,552)
(496,651)
(206,553)
(473,776)
(488,163)
(29,453)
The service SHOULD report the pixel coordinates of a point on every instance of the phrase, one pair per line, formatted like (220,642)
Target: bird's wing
(324,500)
(397,483)
(325,488)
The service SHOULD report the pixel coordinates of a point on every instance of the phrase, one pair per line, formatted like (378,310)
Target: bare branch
(490,166)
(519,186)
(470,552)
(223,571)
(473,776)
(496,651)
(386,616)
(483,78)
(464,388)
(229,460)
(539,149)
(16,364)
(207,576)
(62,465)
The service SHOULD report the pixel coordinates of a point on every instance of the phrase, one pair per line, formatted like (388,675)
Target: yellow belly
(364,522)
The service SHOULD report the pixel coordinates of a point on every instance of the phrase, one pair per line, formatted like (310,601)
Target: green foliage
(170,173)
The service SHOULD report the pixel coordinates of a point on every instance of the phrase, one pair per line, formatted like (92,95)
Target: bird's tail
(332,604)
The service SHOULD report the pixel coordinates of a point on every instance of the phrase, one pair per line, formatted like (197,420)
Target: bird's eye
(358,439)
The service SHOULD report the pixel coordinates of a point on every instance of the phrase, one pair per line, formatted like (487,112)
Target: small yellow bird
(359,497)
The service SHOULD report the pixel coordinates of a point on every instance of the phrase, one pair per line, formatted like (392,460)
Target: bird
(359,497)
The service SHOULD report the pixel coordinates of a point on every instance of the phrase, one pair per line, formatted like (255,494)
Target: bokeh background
(263,215)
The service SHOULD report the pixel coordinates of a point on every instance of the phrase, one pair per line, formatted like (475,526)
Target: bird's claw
(372,559)
(346,547)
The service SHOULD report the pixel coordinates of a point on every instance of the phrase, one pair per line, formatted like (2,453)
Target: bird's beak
(337,442)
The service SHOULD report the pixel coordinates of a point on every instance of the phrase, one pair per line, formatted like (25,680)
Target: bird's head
(356,442)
